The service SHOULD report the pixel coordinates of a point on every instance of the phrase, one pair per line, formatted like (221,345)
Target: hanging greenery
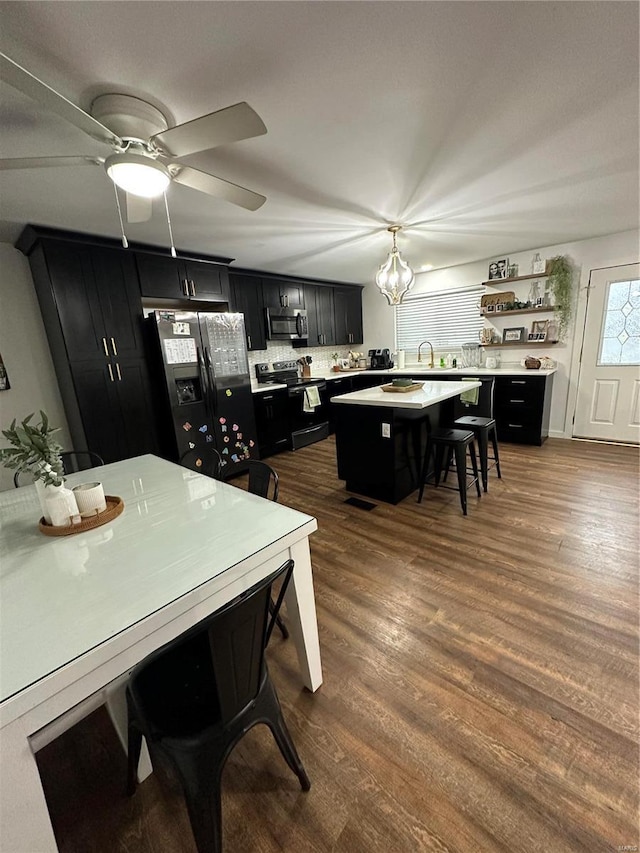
(560,278)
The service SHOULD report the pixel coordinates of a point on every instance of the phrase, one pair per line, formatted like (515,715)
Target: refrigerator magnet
(186,426)
(222,420)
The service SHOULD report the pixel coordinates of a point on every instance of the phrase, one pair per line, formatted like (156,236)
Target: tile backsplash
(283,352)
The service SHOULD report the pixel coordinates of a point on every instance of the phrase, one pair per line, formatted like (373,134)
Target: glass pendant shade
(395,277)
(137,174)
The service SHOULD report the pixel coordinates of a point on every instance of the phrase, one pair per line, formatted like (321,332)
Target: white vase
(61,506)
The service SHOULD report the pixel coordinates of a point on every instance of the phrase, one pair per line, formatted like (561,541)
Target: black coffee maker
(380,359)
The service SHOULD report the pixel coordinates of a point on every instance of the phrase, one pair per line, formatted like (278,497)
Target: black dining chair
(72,461)
(198,695)
(263,481)
(207,461)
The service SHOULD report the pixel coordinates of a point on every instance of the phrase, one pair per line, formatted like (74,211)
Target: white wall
(25,353)
(599,252)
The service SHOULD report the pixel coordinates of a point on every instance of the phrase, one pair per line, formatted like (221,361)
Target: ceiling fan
(145,152)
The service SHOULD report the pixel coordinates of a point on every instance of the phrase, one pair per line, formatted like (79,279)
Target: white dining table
(78,612)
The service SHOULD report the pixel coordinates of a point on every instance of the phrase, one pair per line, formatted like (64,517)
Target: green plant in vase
(560,279)
(34,449)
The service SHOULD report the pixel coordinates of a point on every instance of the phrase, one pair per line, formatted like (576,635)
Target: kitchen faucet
(431,364)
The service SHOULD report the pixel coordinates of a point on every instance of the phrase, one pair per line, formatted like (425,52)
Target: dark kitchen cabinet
(272,412)
(320,315)
(336,387)
(246,298)
(115,405)
(278,293)
(348,315)
(178,278)
(522,406)
(96,293)
(92,314)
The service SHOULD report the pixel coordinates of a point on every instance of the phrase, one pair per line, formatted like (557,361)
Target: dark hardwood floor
(481,679)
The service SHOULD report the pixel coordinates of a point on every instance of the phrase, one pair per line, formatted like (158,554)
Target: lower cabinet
(115,408)
(521,407)
(335,387)
(273,423)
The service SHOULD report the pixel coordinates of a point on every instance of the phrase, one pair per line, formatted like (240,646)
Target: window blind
(448,319)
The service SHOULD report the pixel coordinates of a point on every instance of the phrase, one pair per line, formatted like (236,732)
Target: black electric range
(308,404)
(285,373)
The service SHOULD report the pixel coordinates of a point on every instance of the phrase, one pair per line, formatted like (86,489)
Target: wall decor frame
(514,335)
(498,269)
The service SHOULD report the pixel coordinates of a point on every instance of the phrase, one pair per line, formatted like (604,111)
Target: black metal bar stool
(484,429)
(450,442)
(474,411)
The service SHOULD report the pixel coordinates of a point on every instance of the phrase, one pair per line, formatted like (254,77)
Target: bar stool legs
(452,442)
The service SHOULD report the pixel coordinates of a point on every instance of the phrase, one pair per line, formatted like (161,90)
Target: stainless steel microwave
(287,324)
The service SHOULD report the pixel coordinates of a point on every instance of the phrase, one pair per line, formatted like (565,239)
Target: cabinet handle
(113,346)
(516,401)
(106,348)
(192,285)
(185,286)
(518,381)
(268,398)
(249,341)
(515,426)
(118,372)
(110,372)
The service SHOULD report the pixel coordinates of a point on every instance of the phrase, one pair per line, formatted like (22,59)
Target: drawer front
(519,391)
(510,431)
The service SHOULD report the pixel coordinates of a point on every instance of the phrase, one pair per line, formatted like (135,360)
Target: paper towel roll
(400,363)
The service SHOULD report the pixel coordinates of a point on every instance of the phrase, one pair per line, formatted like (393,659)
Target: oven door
(309,422)
(287,324)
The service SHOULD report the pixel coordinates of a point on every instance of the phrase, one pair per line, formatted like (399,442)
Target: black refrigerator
(204,395)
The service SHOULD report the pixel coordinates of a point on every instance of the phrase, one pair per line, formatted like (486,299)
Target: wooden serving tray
(402,389)
(115,505)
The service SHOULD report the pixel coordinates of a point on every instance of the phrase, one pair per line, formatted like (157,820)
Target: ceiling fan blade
(42,162)
(228,125)
(25,82)
(139,209)
(218,187)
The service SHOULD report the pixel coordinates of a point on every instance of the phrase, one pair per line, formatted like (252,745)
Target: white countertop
(413,370)
(431,392)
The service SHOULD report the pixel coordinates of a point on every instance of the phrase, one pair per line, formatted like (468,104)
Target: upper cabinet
(348,315)
(246,298)
(278,293)
(320,314)
(178,278)
(96,295)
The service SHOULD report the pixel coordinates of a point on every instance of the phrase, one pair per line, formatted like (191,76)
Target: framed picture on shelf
(498,269)
(513,336)
(539,327)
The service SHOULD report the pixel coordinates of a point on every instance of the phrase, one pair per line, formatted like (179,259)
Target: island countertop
(430,393)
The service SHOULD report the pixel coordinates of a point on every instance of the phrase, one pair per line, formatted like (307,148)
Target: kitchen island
(381,436)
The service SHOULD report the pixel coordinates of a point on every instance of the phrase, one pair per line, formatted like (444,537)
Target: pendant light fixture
(395,276)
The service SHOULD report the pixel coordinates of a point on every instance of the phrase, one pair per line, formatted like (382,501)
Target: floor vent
(360,504)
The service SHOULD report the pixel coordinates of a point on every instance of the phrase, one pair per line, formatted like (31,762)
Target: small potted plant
(34,449)
(334,359)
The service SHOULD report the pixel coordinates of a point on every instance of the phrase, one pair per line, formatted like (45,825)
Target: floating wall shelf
(491,314)
(521,344)
(498,282)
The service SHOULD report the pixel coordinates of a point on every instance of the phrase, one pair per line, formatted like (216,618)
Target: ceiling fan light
(137,174)
(395,277)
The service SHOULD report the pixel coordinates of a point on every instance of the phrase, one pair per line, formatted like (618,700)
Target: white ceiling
(485,128)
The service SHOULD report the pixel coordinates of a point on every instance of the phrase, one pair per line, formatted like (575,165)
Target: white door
(608,404)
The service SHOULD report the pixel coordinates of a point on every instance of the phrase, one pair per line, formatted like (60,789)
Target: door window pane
(620,338)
